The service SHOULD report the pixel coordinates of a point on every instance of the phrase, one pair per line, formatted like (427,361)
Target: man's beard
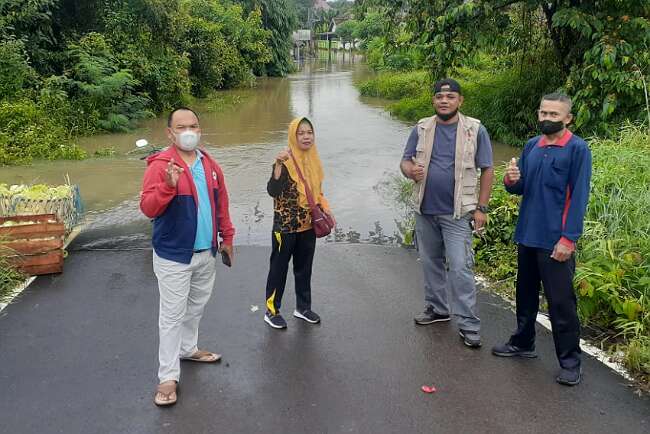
(447,116)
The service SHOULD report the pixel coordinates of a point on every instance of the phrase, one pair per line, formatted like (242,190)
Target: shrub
(29,131)
(397,85)
(162,74)
(15,72)
(505,97)
(637,356)
(413,108)
(102,95)
(10,278)
(614,272)
(375,49)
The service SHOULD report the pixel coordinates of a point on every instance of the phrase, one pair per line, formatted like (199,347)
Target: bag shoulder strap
(310,198)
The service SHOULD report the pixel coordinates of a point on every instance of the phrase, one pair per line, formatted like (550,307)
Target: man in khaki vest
(443,156)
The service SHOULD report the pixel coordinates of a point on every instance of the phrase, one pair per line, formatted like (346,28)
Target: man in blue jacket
(552,176)
(184,192)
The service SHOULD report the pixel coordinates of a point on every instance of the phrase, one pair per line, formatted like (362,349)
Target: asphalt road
(78,354)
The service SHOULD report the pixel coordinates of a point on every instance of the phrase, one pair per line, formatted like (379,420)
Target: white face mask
(188,140)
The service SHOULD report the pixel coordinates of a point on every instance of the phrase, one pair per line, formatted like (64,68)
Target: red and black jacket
(174,210)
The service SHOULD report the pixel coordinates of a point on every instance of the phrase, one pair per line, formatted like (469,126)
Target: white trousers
(184,291)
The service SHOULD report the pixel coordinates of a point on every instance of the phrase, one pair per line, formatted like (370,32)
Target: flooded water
(359,143)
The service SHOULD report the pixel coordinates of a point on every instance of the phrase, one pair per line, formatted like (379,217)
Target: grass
(397,85)
(10,278)
(504,98)
(105,152)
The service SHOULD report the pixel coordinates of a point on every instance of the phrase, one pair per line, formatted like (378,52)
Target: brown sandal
(166,394)
(203,357)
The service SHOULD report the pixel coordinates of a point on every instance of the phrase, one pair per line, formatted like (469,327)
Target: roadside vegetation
(10,278)
(506,58)
(71,68)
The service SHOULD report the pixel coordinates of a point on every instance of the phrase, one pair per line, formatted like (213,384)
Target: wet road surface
(78,354)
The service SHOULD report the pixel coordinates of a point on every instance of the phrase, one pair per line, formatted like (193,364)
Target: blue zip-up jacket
(555,183)
(175,210)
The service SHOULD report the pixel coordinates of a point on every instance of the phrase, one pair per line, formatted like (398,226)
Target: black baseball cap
(447,85)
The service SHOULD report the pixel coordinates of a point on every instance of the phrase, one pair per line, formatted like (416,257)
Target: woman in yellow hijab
(293,235)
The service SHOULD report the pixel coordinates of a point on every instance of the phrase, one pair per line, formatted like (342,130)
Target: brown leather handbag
(320,220)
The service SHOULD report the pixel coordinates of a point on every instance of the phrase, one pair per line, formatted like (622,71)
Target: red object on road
(428,389)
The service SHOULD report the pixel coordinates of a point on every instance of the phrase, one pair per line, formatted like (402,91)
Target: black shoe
(509,350)
(307,315)
(275,321)
(569,377)
(429,316)
(471,338)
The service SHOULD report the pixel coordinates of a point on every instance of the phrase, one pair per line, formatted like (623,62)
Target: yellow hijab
(310,166)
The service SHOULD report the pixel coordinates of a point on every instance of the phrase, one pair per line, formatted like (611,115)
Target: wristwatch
(483,208)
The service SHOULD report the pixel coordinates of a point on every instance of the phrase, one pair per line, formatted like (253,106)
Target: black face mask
(446,117)
(549,127)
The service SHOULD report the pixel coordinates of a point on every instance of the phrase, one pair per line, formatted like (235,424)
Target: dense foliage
(503,97)
(280,17)
(70,68)
(597,51)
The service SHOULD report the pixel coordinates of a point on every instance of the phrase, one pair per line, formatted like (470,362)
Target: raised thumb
(513,162)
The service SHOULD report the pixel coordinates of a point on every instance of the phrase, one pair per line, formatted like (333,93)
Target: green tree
(104,64)
(600,46)
(347,30)
(101,93)
(278,16)
(28,130)
(302,8)
(143,35)
(30,22)
(373,25)
(15,72)
(245,32)
(224,46)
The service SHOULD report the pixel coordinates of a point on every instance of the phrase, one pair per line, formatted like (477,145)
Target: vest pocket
(469,190)
(420,156)
(469,182)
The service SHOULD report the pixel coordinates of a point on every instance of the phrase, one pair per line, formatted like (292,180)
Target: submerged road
(78,354)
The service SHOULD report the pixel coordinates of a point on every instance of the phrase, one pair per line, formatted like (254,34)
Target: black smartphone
(225,258)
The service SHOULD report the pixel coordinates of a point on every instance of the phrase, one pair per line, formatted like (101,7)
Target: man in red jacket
(185,194)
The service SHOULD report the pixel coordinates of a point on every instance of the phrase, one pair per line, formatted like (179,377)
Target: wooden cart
(34,244)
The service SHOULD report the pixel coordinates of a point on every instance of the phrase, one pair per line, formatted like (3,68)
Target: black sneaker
(509,350)
(470,338)
(569,377)
(275,321)
(307,315)
(429,316)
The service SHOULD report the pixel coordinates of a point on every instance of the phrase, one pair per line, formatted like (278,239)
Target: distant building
(301,35)
(336,21)
(321,5)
